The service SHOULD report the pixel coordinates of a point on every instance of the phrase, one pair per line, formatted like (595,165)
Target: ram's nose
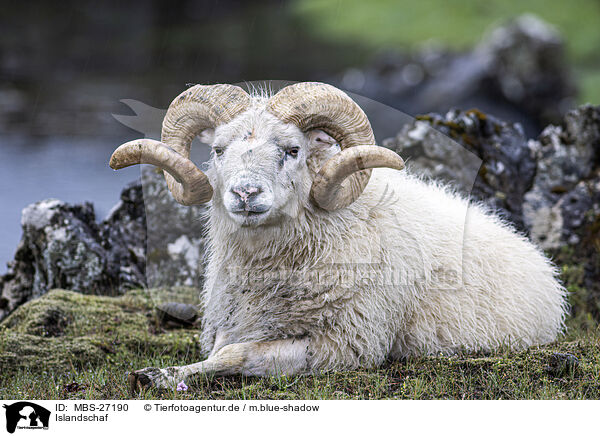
(245,198)
(247,193)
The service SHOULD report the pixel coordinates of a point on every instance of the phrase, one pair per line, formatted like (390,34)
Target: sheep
(324,255)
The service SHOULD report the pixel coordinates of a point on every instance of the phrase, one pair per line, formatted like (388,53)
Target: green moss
(477,113)
(21,350)
(65,313)
(578,271)
(424,117)
(64,330)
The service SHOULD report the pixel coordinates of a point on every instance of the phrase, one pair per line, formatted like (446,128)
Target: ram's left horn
(193,186)
(314,105)
(333,176)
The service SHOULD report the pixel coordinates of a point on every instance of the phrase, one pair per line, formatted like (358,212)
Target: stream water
(70,169)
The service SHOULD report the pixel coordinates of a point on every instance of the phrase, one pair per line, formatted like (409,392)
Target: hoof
(144,379)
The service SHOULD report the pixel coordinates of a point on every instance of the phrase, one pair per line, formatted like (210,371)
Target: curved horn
(343,178)
(198,108)
(332,188)
(191,186)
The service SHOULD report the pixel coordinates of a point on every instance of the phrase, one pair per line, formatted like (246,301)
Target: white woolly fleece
(408,268)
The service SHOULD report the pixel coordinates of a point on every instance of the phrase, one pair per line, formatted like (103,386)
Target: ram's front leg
(287,356)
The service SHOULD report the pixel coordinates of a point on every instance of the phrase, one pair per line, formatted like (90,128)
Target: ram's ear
(319,138)
(207,136)
(321,147)
(321,144)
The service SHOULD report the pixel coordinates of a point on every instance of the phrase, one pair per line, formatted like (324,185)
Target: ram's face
(267,151)
(261,169)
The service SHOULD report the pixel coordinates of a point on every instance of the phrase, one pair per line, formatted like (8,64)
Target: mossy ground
(71,346)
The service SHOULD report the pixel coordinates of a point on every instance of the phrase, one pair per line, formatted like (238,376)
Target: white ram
(316,262)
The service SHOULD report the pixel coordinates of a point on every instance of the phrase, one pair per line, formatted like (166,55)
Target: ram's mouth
(250,211)
(249,218)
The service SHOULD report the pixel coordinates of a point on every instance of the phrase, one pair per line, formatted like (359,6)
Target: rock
(579,250)
(562,210)
(562,364)
(565,186)
(123,235)
(175,243)
(525,64)
(518,72)
(478,154)
(94,330)
(74,387)
(63,246)
(181,314)
(147,239)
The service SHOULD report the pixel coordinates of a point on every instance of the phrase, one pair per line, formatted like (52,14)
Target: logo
(26,415)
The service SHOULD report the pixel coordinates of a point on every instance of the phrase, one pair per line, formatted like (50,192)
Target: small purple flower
(182,386)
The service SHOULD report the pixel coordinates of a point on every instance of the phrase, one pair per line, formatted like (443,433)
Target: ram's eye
(293,151)
(218,150)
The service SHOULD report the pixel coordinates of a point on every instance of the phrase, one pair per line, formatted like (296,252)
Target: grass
(134,341)
(504,375)
(392,24)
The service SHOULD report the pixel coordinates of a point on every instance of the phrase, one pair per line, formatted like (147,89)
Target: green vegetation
(65,345)
(392,24)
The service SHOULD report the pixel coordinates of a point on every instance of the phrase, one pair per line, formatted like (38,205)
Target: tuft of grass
(118,335)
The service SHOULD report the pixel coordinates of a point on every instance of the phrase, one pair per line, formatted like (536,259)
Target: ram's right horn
(194,110)
(192,185)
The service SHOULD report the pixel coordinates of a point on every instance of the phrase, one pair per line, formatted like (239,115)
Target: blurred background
(65,66)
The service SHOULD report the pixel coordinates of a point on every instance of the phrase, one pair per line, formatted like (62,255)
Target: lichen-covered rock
(148,239)
(63,330)
(565,185)
(175,246)
(478,154)
(63,246)
(123,236)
